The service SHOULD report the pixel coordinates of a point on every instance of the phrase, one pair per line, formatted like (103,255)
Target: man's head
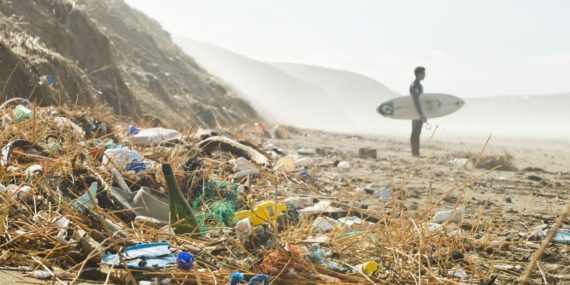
(420,72)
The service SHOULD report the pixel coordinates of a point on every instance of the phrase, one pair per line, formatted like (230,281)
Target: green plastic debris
(224,213)
(180,212)
(22,113)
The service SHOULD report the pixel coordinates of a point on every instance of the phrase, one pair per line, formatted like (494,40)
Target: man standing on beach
(416,89)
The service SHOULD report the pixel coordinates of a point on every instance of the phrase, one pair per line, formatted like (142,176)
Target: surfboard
(433,105)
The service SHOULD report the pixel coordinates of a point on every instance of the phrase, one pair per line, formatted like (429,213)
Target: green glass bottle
(179,207)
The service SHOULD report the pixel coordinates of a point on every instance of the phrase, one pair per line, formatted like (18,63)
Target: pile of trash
(86,197)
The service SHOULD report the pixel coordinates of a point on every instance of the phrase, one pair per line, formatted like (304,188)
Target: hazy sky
(470,48)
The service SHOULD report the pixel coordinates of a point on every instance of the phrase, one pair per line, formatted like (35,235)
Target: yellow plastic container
(368,267)
(264,212)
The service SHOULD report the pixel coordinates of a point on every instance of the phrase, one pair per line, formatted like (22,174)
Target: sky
(469,48)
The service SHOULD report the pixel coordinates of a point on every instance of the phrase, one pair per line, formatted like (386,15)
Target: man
(416,89)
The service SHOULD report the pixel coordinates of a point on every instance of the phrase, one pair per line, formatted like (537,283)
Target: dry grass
(406,247)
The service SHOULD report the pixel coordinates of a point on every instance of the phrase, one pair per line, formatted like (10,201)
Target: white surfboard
(433,105)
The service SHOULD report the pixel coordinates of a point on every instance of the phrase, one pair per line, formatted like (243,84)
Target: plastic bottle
(22,113)
(180,212)
(185,260)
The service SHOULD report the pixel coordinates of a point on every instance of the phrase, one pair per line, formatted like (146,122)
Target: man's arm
(415,92)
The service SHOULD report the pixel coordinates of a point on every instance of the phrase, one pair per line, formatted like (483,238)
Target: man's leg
(415,139)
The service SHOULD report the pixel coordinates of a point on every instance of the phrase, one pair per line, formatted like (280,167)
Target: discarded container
(236,278)
(20,193)
(259,279)
(561,236)
(65,123)
(22,113)
(324,224)
(120,157)
(285,164)
(303,162)
(243,229)
(244,168)
(320,207)
(180,212)
(87,200)
(185,260)
(300,202)
(349,221)
(132,130)
(458,163)
(149,256)
(459,273)
(143,202)
(381,192)
(344,165)
(367,268)
(264,212)
(33,171)
(136,166)
(451,216)
(307,151)
(153,136)
(42,274)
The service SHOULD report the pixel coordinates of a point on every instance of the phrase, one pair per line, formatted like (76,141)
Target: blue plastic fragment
(136,166)
(185,260)
(85,202)
(143,256)
(51,80)
(259,279)
(132,130)
(562,236)
(236,278)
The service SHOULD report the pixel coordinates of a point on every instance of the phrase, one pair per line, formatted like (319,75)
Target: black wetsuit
(416,89)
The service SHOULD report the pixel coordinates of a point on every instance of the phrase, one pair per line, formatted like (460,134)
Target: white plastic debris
(349,221)
(61,223)
(324,224)
(42,274)
(344,165)
(119,157)
(451,216)
(33,171)
(153,136)
(381,192)
(21,193)
(508,267)
(243,229)
(62,122)
(300,202)
(322,206)
(285,164)
(303,161)
(244,168)
(459,273)
(458,163)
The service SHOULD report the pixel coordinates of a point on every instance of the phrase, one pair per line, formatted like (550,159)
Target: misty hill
(104,52)
(533,116)
(359,94)
(301,95)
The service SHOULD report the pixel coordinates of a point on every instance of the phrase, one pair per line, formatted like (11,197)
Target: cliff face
(104,52)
